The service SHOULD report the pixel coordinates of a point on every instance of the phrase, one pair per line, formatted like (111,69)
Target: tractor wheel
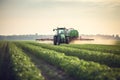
(67,40)
(58,40)
(55,40)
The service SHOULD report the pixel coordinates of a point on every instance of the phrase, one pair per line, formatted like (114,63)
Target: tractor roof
(61,28)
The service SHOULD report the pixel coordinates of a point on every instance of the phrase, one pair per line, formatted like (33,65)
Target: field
(25,60)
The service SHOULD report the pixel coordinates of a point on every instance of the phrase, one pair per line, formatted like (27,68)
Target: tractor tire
(67,40)
(58,40)
(55,40)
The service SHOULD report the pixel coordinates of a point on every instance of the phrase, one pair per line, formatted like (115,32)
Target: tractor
(64,35)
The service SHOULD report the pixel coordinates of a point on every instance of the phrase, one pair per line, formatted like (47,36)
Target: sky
(18,17)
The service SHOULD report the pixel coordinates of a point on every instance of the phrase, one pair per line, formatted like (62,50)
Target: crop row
(75,67)
(115,49)
(103,58)
(23,68)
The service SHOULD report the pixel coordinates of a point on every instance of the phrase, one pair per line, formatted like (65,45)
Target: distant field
(27,60)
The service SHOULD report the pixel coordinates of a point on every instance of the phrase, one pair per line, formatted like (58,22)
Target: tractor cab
(60,31)
(61,36)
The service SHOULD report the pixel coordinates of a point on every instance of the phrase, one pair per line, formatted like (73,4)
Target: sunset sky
(41,16)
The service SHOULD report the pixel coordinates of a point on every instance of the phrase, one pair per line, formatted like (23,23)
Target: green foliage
(23,68)
(75,67)
(103,58)
(114,49)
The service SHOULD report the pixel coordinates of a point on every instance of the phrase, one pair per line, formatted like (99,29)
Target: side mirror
(54,29)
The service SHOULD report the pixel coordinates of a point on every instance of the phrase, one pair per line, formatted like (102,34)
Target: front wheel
(58,40)
(67,40)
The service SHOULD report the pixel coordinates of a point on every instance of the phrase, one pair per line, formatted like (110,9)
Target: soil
(5,67)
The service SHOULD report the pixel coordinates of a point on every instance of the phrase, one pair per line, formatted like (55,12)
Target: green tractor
(64,35)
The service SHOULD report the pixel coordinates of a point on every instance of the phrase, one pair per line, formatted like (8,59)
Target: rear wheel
(55,40)
(67,40)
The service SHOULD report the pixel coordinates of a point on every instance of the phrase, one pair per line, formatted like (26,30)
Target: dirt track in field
(5,72)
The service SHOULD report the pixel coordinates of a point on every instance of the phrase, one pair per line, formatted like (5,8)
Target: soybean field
(27,60)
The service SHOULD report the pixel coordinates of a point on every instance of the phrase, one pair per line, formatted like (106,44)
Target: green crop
(22,67)
(103,58)
(78,68)
(113,49)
